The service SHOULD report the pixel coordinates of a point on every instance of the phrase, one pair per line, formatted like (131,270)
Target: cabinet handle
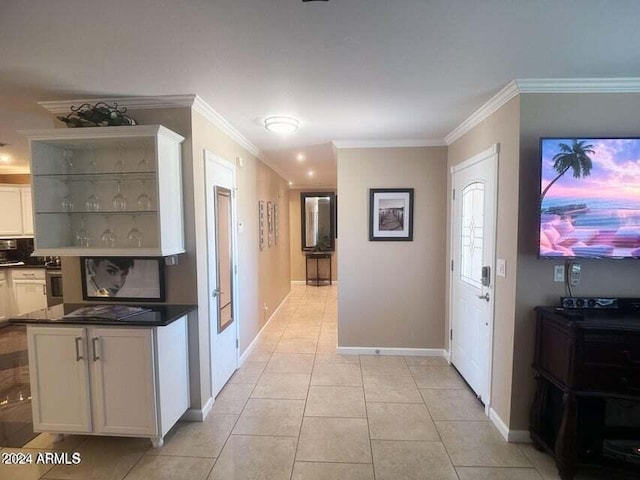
(44,289)
(95,341)
(78,356)
(28,274)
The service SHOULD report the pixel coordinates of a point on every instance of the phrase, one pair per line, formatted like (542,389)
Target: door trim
(492,151)
(210,157)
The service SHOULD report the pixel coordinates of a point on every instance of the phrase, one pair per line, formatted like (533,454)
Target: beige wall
(263,276)
(502,128)
(391,294)
(298,272)
(560,115)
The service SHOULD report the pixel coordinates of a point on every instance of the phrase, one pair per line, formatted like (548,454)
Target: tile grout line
(366,410)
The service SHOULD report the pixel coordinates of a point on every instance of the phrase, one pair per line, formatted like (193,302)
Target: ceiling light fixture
(300,157)
(5,158)
(290,183)
(281,124)
(311,173)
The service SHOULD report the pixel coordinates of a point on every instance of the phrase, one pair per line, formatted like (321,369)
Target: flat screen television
(590,198)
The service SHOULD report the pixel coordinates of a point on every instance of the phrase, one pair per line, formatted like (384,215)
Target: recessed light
(300,157)
(281,124)
(5,158)
(311,173)
(290,183)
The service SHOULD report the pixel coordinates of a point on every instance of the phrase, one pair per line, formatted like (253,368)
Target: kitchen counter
(7,267)
(159,316)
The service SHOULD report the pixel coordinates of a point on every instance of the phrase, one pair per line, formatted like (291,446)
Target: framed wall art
(391,214)
(261,220)
(123,279)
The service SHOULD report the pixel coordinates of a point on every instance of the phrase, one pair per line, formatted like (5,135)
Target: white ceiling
(348,69)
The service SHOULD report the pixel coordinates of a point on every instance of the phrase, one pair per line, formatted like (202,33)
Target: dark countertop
(7,267)
(159,316)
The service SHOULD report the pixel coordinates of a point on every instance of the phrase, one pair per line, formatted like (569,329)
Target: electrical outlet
(575,273)
(558,273)
(501,267)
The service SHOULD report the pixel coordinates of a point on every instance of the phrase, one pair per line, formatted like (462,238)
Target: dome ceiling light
(281,124)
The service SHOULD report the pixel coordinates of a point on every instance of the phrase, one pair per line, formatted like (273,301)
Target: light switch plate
(501,267)
(558,273)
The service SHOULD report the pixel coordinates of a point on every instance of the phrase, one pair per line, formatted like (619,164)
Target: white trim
(247,352)
(579,85)
(389,143)
(133,103)
(298,282)
(489,152)
(511,436)
(198,415)
(543,85)
(447,355)
(494,103)
(267,161)
(425,352)
(161,101)
(204,109)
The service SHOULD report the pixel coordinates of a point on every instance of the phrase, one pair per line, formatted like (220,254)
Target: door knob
(215,293)
(485,296)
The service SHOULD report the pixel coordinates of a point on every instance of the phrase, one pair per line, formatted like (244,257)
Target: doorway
(473,234)
(220,185)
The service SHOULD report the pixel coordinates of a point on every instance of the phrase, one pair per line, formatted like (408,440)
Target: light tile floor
(296,410)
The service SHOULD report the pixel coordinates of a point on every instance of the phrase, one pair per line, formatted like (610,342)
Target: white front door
(473,259)
(221,251)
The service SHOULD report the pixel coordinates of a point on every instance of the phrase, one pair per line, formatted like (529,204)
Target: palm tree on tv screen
(575,157)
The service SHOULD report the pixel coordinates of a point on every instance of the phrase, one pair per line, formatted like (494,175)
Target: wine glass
(144,200)
(93,201)
(144,165)
(135,237)
(83,238)
(93,166)
(67,157)
(108,237)
(67,201)
(119,200)
(119,166)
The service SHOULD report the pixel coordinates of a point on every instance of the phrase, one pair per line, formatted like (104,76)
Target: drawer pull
(95,341)
(625,381)
(627,356)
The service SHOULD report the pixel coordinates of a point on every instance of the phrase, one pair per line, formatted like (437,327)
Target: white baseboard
(247,352)
(511,436)
(198,415)
(425,352)
(298,282)
(447,356)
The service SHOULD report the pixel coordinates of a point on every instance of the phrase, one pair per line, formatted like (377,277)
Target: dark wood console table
(317,280)
(585,359)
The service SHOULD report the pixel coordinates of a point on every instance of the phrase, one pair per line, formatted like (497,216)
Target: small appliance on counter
(18,252)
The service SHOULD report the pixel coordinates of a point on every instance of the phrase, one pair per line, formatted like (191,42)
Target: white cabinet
(114,191)
(107,380)
(5,310)
(27,211)
(29,290)
(11,218)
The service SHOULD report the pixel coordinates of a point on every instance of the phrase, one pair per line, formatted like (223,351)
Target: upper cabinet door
(112,191)
(27,211)
(10,212)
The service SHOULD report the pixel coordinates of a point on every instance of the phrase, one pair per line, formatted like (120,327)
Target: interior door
(221,241)
(473,246)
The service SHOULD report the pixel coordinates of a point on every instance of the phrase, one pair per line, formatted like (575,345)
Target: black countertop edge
(38,265)
(158,316)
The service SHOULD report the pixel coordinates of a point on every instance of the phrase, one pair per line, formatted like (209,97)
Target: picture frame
(123,279)
(276,223)
(261,220)
(391,214)
(270,222)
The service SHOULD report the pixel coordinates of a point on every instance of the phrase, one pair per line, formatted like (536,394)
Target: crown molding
(578,85)
(497,101)
(161,101)
(202,107)
(132,103)
(543,85)
(389,143)
(267,161)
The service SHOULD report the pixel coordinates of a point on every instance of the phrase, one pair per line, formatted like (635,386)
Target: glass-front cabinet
(114,191)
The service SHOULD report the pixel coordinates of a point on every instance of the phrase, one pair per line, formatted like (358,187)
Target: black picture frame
(391,214)
(331,246)
(123,279)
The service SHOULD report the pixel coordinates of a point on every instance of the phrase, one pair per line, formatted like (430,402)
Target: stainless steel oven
(54,286)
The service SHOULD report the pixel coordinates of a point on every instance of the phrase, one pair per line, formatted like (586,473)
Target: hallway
(297,410)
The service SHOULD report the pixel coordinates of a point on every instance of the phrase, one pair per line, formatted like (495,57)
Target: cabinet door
(123,381)
(11,213)
(4,299)
(59,379)
(30,295)
(27,211)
